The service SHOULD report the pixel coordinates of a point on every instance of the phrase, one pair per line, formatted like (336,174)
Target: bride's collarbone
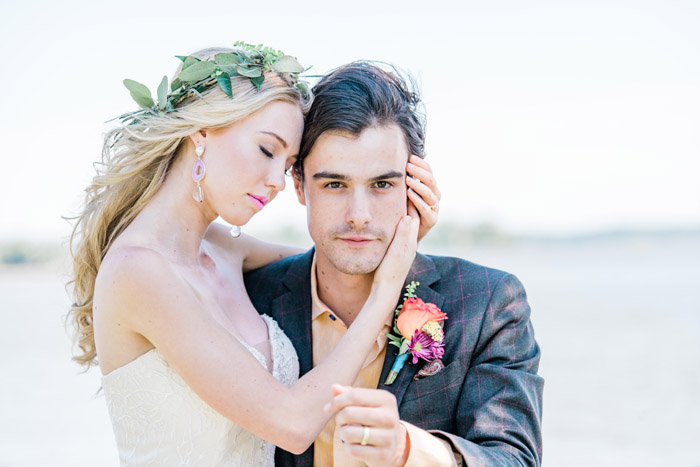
(225,300)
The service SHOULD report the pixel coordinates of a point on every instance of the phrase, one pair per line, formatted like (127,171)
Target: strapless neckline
(256,353)
(159,420)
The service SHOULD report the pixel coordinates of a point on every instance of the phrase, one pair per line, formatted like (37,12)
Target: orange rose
(414,314)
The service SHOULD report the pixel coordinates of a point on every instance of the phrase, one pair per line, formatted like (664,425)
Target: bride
(192,374)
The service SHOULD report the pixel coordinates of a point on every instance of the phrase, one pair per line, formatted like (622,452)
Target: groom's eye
(383,184)
(333,185)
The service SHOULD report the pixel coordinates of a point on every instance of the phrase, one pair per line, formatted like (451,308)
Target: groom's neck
(344,294)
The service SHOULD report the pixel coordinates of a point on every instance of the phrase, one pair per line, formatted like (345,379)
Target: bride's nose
(275,178)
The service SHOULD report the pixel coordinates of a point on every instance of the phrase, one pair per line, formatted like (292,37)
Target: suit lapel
(424,271)
(293,309)
(293,312)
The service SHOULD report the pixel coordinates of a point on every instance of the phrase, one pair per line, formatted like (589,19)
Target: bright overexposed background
(564,137)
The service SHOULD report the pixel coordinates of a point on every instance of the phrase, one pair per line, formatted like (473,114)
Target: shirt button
(332,317)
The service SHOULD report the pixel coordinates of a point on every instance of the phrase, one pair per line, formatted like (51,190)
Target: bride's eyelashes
(266,152)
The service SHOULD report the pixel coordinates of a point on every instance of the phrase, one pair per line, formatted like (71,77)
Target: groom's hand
(357,408)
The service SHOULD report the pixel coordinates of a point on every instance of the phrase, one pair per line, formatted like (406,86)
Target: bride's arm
(142,291)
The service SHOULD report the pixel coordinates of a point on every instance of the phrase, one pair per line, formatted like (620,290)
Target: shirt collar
(317,305)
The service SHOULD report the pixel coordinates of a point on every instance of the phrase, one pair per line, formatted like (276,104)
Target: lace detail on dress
(159,420)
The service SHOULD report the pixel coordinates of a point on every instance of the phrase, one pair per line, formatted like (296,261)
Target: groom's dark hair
(361,95)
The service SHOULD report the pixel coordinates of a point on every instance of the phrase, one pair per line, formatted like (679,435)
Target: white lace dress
(159,421)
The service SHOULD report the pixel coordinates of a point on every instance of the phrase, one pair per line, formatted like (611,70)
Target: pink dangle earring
(198,172)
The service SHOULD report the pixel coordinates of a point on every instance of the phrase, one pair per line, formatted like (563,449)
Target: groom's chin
(355,265)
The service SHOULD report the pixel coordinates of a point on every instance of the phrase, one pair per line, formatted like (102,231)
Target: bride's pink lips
(259,201)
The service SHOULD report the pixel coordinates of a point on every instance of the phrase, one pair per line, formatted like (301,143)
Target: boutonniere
(418,332)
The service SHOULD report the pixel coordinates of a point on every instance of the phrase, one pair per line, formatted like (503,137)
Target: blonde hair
(136,158)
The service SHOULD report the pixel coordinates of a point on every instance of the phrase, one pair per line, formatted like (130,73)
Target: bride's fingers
(406,233)
(428,213)
(421,170)
(404,239)
(401,252)
(425,192)
(411,208)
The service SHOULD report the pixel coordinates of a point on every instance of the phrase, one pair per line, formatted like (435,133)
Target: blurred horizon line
(15,251)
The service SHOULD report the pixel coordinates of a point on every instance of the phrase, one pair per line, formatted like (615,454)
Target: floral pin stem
(398,365)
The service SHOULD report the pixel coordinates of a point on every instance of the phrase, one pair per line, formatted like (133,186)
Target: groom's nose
(359,211)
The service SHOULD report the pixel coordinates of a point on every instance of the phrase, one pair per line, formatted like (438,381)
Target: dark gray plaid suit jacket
(487,401)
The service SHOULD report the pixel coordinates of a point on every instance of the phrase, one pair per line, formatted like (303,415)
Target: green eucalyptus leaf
(224,81)
(248,71)
(163,93)
(257,81)
(175,84)
(169,107)
(302,87)
(287,64)
(229,69)
(189,61)
(245,56)
(181,57)
(197,93)
(197,72)
(139,93)
(225,58)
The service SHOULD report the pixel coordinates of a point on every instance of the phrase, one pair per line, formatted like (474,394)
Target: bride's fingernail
(327,407)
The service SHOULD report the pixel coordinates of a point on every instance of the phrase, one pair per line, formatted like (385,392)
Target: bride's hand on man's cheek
(423,194)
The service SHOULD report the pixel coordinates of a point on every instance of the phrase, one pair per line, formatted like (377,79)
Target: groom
(484,407)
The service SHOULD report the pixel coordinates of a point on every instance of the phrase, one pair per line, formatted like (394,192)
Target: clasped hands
(367,421)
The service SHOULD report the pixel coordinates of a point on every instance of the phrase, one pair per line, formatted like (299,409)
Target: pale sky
(543,117)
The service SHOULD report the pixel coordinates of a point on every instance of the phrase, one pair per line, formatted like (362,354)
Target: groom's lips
(356,241)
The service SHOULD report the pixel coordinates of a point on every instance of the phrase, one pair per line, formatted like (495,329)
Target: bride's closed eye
(266,152)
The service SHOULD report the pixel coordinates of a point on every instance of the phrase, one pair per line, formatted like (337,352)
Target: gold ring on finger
(365,436)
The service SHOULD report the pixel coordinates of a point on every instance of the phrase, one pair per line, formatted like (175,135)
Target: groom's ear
(299,186)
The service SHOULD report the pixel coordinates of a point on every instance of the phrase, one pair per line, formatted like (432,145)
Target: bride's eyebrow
(279,138)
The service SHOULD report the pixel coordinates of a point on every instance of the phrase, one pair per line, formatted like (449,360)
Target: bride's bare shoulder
(127,272)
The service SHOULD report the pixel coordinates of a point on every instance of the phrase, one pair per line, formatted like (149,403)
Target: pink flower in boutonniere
(423,346)
(418,332)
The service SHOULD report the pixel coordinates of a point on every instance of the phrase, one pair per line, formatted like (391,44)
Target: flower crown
(196,76)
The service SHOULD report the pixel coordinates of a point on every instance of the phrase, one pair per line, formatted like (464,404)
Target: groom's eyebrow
(331,175)
(387,176)
(336,176)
